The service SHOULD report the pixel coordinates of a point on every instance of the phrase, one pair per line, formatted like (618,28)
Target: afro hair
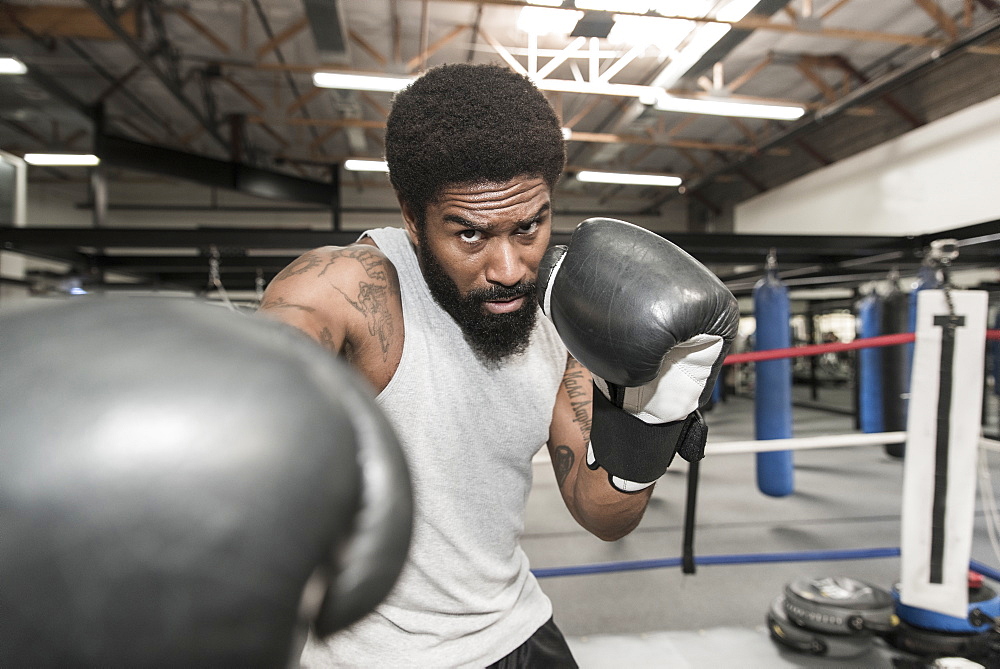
(463,124)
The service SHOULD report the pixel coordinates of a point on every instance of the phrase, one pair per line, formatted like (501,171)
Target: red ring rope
(817,349)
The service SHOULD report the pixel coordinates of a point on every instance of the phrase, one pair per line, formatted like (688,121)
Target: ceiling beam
(61,21)
(372,52)
(203,30)
(940,17)
(416,62)
(750,23)
(280,38)
(173,86)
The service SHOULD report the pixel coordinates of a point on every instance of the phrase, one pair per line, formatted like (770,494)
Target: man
(441,318)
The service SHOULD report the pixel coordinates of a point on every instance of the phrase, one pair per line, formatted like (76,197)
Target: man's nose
(506,265)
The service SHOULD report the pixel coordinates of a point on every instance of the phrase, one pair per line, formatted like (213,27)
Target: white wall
(940,176)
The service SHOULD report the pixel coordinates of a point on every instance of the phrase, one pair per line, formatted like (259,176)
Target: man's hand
(653,326)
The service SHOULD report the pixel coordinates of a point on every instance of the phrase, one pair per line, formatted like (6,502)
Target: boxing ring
(722,448)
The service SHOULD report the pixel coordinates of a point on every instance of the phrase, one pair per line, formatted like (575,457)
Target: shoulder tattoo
(282,303)
(300,265)
(370,298)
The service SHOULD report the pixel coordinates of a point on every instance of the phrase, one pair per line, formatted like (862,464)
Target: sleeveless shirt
(466,597)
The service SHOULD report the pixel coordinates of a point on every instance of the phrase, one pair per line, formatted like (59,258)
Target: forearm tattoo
(563,463)
(575,380)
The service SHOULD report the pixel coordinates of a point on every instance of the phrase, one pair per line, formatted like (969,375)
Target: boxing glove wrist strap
(630,449)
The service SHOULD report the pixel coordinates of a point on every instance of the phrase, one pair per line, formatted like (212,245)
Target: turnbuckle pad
(840,605)
(981,597)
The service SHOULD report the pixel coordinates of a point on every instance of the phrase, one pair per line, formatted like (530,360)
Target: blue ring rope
(752,558)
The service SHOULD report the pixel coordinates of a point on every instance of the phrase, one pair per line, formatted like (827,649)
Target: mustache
(503,293)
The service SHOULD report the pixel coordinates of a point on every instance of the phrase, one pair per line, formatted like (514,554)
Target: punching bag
(895,365)
(773,394)
(869,378)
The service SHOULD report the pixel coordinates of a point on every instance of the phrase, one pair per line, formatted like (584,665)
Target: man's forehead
(487,195)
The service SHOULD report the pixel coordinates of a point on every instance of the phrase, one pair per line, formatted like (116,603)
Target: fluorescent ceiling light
(736,10)
(632,6)
(703,39)
(599,88)
(61,159)
(630,179)
(692,9)
(665,34)
(729,108)
(12,66)
(547,20)
(356,165)
(546,3)
(360,82)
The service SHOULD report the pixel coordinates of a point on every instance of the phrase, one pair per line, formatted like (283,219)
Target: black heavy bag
(182,486)
(895,366)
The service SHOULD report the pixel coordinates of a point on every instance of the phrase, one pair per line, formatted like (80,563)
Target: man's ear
(409,221)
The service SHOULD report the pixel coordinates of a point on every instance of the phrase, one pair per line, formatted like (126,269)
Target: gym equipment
(932,644)
(869,315)
(653,326)
(839,605)
(981,597)
(895,365)
(786,633)
(773,385)
(181,485)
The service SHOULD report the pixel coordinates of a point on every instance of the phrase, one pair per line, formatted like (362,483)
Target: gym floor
(845,498)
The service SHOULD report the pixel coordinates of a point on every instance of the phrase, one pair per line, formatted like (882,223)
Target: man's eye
(470,235)
(528,228)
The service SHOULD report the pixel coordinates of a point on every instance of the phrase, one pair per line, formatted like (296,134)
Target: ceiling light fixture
(62,159)
(358,165)
(703,39)
(10,65)
(627,178)
(646,94)
(360,82)
(547,20)
(728,108)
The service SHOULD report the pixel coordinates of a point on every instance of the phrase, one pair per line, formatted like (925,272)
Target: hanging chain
(215,277)
(259,286)
(940,256)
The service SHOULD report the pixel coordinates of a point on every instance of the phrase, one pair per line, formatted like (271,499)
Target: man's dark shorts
(545,649)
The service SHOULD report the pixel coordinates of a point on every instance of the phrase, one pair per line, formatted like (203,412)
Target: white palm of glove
(676,392)
(616,481)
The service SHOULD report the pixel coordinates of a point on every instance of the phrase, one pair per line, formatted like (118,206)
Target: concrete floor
(845,498)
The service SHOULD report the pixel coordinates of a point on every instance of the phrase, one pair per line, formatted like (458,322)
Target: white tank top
(466,597)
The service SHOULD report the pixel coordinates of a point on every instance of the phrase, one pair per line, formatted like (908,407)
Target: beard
(493,337)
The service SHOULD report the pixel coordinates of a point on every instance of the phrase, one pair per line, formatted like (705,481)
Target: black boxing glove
(653,325)
(182,486)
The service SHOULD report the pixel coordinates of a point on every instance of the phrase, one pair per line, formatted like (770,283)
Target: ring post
(773,384)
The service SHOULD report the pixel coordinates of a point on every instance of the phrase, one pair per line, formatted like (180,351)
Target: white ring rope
(801,443)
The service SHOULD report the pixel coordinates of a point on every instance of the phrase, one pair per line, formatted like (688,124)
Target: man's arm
(346,298)
(590,498)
